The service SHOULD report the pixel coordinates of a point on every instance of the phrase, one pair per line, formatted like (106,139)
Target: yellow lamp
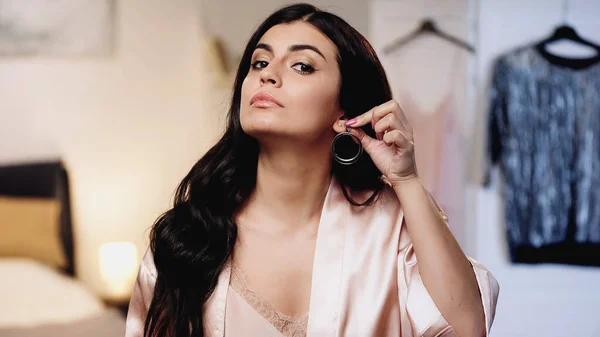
(118,267)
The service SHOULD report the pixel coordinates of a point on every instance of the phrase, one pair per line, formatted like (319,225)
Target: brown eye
(260,64)
(303,68)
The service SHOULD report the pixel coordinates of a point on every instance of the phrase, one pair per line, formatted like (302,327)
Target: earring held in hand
(339,150)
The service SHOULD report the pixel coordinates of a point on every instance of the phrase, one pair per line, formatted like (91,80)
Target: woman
(269,236)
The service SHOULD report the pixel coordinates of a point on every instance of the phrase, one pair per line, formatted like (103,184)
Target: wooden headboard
(43,179)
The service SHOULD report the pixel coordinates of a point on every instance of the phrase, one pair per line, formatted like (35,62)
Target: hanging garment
(544,133)
(365,283)
(438,150)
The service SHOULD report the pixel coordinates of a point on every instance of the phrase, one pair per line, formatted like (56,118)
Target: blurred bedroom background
(106,104)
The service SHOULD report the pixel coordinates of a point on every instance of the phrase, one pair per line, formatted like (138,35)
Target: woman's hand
(446,272)
(393,151)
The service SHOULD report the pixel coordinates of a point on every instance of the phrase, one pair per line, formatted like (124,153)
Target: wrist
(402,183)
(407,188)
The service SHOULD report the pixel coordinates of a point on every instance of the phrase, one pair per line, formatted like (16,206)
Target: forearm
(446,272)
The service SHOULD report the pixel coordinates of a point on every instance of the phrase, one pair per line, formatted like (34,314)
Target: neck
(291,186)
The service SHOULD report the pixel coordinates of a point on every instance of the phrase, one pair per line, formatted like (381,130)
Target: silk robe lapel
(326,280)
(213,315)
(327,265)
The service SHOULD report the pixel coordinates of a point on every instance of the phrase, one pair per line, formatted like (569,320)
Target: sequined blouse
(544,134)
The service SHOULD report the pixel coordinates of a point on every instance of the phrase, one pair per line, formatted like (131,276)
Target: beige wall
(128,127)
(218,16)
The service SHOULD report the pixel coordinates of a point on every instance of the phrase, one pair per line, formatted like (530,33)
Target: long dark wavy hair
(192,241)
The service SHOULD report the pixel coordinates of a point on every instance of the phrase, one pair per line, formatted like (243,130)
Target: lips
(264,100)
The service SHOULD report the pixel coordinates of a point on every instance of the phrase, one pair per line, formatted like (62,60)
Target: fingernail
(351,122)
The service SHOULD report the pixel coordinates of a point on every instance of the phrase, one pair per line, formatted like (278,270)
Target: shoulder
(147,264)
(383,217)
(389,207)
(386,205)
(388,201)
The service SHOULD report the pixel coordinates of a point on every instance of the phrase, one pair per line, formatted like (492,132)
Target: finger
(363,119)
(401,115)
(397,138)
(392,122)
(365,139)
(373,115)
(387,123)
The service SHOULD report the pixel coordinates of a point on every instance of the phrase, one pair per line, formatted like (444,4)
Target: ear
(340,124)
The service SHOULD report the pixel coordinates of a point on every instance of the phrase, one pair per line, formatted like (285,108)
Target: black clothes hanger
(566,32)
(427,26)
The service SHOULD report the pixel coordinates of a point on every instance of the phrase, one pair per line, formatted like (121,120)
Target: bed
(40,294)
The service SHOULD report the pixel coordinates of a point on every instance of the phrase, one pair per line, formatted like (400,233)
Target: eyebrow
(292,48)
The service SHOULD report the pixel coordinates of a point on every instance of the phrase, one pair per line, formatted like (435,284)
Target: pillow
(30,227)
(33,294)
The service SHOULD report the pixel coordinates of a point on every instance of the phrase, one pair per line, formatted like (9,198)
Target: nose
(270,75)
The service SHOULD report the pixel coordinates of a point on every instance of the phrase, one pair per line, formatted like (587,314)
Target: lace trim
(289,326)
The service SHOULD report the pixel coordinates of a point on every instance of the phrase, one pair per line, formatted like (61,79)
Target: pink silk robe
(365,282)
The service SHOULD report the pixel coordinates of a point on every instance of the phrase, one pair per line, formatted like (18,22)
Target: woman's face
(291,90)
